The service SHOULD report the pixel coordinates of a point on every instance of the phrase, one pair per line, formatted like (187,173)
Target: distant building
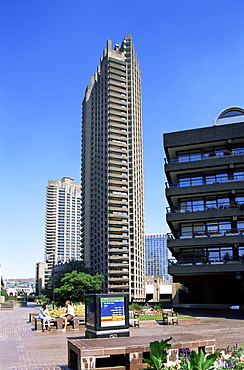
(112,172)
(157,255)
(205,192)
(40,277)
(62,226)
(20,287)
(158,289)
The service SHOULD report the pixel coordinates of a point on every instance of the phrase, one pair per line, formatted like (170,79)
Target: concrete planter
(2,298)
(20,303)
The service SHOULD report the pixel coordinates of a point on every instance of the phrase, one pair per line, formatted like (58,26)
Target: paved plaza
(23,348)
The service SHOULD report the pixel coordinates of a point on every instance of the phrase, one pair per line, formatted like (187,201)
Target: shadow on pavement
(198,312)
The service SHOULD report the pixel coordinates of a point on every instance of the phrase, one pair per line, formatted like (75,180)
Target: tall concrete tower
(62,225)
(112,172)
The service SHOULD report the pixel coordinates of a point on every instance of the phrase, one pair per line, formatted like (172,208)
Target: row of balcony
(205,260)
(203,181)
(202,156)
(198,208)
(203,233)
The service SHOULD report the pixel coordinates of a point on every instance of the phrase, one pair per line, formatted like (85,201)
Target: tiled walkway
(23,348)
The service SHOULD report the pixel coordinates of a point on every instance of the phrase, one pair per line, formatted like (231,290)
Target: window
(232,113)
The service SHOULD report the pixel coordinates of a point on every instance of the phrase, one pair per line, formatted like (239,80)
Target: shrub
(134,307)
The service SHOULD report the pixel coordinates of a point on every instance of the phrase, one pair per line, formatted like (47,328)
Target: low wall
(20,303)
(127,353)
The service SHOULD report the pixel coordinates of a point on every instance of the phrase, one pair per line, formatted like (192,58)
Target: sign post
(107,315)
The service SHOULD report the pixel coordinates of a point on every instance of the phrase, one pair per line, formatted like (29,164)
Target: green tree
(4,293)
(68,267)
(60,272)
(76,284)
(42,298)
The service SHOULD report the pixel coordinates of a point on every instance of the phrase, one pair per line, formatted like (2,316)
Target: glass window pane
(199,227)
(198,205)
(210,179)
(185,206)
(238,175)
(184,182)
(223,202)
(214,254)
(197,180)
(240,198)
(240,225)
(186,230)
(223,226)
(220,177)
(183,158)
(212,227)
(195,156)
(211,203)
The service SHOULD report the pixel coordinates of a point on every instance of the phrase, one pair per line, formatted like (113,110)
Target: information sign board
(112,311)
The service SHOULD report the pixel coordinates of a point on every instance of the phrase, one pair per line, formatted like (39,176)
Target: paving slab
(23,348)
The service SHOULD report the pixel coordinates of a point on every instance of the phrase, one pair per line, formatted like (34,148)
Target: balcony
(194,208)
(203,181)
(203,156)
(203,238)
(205,268)
(203,234)
(204,211)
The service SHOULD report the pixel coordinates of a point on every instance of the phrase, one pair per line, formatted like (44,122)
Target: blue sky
(191,55)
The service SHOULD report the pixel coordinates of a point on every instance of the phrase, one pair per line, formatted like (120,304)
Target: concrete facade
(40,277)
(158,289)
(112,172)
(62,224)
(205,192)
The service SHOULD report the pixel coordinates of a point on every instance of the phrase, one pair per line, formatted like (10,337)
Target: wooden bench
(55,321)
(169,318)
(32,317)
(76,321)
(59,321)
(9,304)
(135,321)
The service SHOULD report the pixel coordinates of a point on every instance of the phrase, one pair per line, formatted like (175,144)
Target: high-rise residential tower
(157,255)
(62,226)
(112,172)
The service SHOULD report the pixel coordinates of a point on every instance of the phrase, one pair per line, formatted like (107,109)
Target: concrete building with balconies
(112,172)
(205,193)
(62,224)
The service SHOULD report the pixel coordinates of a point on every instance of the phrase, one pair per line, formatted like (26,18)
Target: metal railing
(205,233)
(197,208)
(202,181)
(203,260)
(201,156)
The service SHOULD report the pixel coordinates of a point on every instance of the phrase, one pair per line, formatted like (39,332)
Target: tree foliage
(4,294)
(76,284)
(68,267)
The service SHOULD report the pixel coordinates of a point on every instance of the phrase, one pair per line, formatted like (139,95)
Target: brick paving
(23,348)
